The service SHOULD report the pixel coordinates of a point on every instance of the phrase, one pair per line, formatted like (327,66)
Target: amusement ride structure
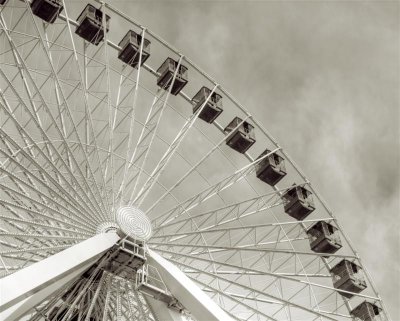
(135,187)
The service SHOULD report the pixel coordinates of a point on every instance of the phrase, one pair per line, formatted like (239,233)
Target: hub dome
(134,223)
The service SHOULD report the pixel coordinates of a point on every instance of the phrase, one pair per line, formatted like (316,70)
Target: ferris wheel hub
(134,223)
(106,227)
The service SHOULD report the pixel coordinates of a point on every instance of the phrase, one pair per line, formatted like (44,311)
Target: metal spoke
(171,150)
(206,194)
(44,104)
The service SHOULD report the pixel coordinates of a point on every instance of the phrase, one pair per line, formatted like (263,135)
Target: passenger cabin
(298,202)
(47,10)
(167,70)
(242,137)
(271,169)
(130,49)
(366,311)
(348,276)
(90,24)
(324,238)
(212,108)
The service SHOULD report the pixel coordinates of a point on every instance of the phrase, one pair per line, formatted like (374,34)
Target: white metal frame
(200,305)
(26,288)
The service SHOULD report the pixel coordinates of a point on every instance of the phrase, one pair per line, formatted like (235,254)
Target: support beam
(24,289)
(200,305)
(18,310)
(162,312)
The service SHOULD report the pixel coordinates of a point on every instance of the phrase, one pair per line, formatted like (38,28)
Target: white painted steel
(186,291)
(162,312)
(36,277)
(22,307)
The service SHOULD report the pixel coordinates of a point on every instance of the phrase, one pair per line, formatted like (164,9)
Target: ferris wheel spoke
(76,231)
(74,218)
(22,220)
(19,46)
(319,305)
(261,256)
(23,244)
(35,213)
(35,110)
(111,117)
(59,104)
(113,127)
(236,299)
(47,307)
(234,272)
(22,259)
(28,171)
(298,235)
(157,182)
(250,229)
(144,140)
(224,215)
(32,51)
(241,296)
(27,257)
(205,194)
(21,16)
(249,237)
(25,137)
(252,248)
(88,112)
(171,150)
(38,204)
(248,289)
(92,302)
(193,168)
(304,284)
(73,307)
(132,179)
(36,250)
(107,301)
(42,171)
(132,116)
(42,236)
(38,125)
(76,297)
(151,125)
(89,305)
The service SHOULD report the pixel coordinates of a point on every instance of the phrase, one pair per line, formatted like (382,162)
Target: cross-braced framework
(104,128)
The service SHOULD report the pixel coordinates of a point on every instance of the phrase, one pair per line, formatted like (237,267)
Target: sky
(323,78)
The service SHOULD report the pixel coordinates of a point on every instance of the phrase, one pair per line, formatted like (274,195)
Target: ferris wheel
(135,187)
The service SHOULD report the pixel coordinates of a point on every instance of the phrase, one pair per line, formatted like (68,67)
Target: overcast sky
(323,77)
